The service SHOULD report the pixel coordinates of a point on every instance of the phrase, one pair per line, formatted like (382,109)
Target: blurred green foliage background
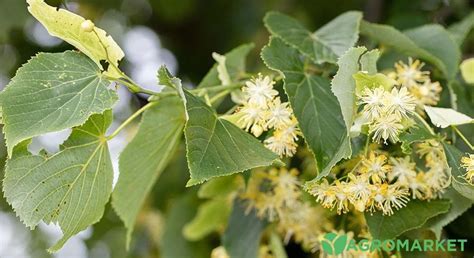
(182,34)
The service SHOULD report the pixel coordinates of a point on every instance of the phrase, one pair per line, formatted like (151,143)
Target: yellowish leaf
(80,33)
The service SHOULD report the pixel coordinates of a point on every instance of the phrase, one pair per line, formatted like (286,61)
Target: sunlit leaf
(444,117)
(95,43)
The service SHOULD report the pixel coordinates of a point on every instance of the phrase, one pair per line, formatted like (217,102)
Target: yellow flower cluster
(262,110)
(418,82)
(276,196)
(376,183)
(468,164)
(386,111)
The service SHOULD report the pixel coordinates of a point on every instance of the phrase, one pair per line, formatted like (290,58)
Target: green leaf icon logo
(333,244)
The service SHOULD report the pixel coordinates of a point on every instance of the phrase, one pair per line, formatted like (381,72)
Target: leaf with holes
(93,42)
(53,92)
(70,187)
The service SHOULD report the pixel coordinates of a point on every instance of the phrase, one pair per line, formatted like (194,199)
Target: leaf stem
(130,119)
(219,95)
(199,91)
(428,127)
(463,137)
(137,89)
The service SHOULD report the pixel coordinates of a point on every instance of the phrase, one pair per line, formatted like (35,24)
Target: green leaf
(215,146)
(430,42)
(416,133)
(69,27)
(234,63)
(467,70)
(343,84)
(445,117)
(413,216)
(212,215)
(243,233)
(146,156)
(315,106)
(326,44)
(70,187)
(366,80)
(453,156)
(53,92)
(459,205)
(460,30)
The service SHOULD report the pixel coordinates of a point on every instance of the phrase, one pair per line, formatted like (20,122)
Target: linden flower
(324,193)
(260,90)
(395,196)
(359,190)
(468,164)
(409,75)
(283,141)
(427,93)
(279,114)
(375,167)
(342,197)
(252,115)
(374,101)
(401,102)
(419,188)
(388,196)
(403,170)
(386,127)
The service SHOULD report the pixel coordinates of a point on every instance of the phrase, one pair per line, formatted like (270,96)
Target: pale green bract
(215,147)
(69,26)
(70,187)
(444,117)
(211,216)
(343,85)
(366,80)
(315,106)
(413,216)
(146,156)
(467,70)
(53,92)
(234,65)
(326,44)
